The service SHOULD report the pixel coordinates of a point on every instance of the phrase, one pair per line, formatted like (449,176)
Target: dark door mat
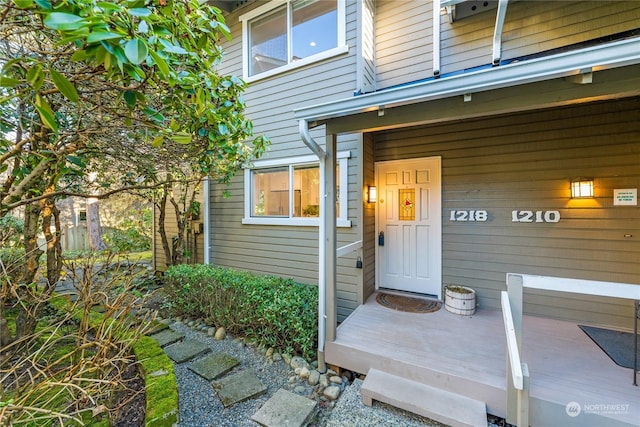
(409,304)
(617,345)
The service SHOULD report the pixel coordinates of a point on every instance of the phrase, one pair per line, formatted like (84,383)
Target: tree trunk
(26,320)
(162,215)
(93,224)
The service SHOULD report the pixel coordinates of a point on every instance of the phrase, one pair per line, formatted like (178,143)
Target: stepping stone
(214,366)
(156,327)
(238,388)
(167,337)
(186,350)
(285,409)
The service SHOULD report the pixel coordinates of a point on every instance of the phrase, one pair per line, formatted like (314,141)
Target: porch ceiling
(535,83)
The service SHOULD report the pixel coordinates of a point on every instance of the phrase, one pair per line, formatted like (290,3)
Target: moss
(459,289)
(161,390)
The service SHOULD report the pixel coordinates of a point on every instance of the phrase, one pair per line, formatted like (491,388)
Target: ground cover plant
(78,368)
(274,311)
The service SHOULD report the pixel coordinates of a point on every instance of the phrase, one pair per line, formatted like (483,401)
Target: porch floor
(467,355)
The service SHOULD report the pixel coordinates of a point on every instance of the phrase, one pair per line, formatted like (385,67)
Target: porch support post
(330,245)
(515,290)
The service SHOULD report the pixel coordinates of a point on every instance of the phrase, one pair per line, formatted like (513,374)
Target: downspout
(205,213)
(322,233)
(436,38)
(497,32)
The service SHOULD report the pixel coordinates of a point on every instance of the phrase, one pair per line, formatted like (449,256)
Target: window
(285,34)
(290,194)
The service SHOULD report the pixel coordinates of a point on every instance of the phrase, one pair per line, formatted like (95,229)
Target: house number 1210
(535,216)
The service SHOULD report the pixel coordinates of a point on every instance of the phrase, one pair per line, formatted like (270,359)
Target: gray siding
(287,250)
(531,27)
(524,161)
(404,37)
(404,34)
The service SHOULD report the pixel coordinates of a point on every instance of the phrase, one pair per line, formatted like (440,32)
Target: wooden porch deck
(467,355)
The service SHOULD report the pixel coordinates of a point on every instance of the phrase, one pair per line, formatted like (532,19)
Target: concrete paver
(238,388)
(285,409)
(214,365)
(186,350)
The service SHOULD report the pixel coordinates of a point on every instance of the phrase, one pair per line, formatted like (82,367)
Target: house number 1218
(535,216)
(479,216)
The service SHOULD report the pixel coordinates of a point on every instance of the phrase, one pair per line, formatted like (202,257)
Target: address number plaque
(525,216)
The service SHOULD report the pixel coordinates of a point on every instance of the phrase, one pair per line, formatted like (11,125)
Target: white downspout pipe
(497,32)
(436,38)
(207,235)
(322,234)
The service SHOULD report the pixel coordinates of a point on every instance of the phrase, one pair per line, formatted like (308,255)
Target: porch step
(436,404)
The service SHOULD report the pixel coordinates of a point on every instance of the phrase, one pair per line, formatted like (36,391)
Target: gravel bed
(201,407)
(199,404)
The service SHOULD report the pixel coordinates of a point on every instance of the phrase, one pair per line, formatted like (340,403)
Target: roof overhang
(573,63)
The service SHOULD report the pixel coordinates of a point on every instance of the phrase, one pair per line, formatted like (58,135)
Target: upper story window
(287,192)
(285,34)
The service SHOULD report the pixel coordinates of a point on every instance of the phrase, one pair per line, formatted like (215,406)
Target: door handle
(381,239)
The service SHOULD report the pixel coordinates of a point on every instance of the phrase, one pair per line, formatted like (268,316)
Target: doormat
(617,345)
(408,304)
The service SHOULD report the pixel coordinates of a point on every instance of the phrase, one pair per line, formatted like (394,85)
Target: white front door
(408,224)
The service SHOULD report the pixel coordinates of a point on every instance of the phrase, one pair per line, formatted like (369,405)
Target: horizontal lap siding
(404,37)
(531,27)
(286,250)
(525,162)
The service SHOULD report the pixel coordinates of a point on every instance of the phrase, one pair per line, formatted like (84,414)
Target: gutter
(322,238)
(595,58)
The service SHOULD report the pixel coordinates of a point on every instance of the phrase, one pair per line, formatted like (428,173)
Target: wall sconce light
(373,194)
(581,188)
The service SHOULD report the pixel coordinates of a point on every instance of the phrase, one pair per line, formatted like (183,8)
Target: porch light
(581,188)
(373,194)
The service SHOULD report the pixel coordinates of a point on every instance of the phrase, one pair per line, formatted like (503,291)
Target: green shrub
(129,240)
(11,230)
(274,311)
(12,262)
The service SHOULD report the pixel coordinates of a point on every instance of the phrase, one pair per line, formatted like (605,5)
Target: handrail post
(515,291)
(522,419)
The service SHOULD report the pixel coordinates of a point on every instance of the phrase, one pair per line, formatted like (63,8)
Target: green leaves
(64,86)
(136,51)
(63,21)
(46,113)
(98,36)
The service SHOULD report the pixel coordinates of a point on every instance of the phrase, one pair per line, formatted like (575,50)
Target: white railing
(517,372)
(343,250)
(517,398)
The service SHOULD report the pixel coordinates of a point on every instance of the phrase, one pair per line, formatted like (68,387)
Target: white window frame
(340,49)
(342,220)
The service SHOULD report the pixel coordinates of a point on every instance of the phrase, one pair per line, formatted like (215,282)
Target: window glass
(306,197)
(268,42)
(270,192)
(300,28)
(314,27)
(289,194)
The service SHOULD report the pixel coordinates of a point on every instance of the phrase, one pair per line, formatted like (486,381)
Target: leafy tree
(121,83)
